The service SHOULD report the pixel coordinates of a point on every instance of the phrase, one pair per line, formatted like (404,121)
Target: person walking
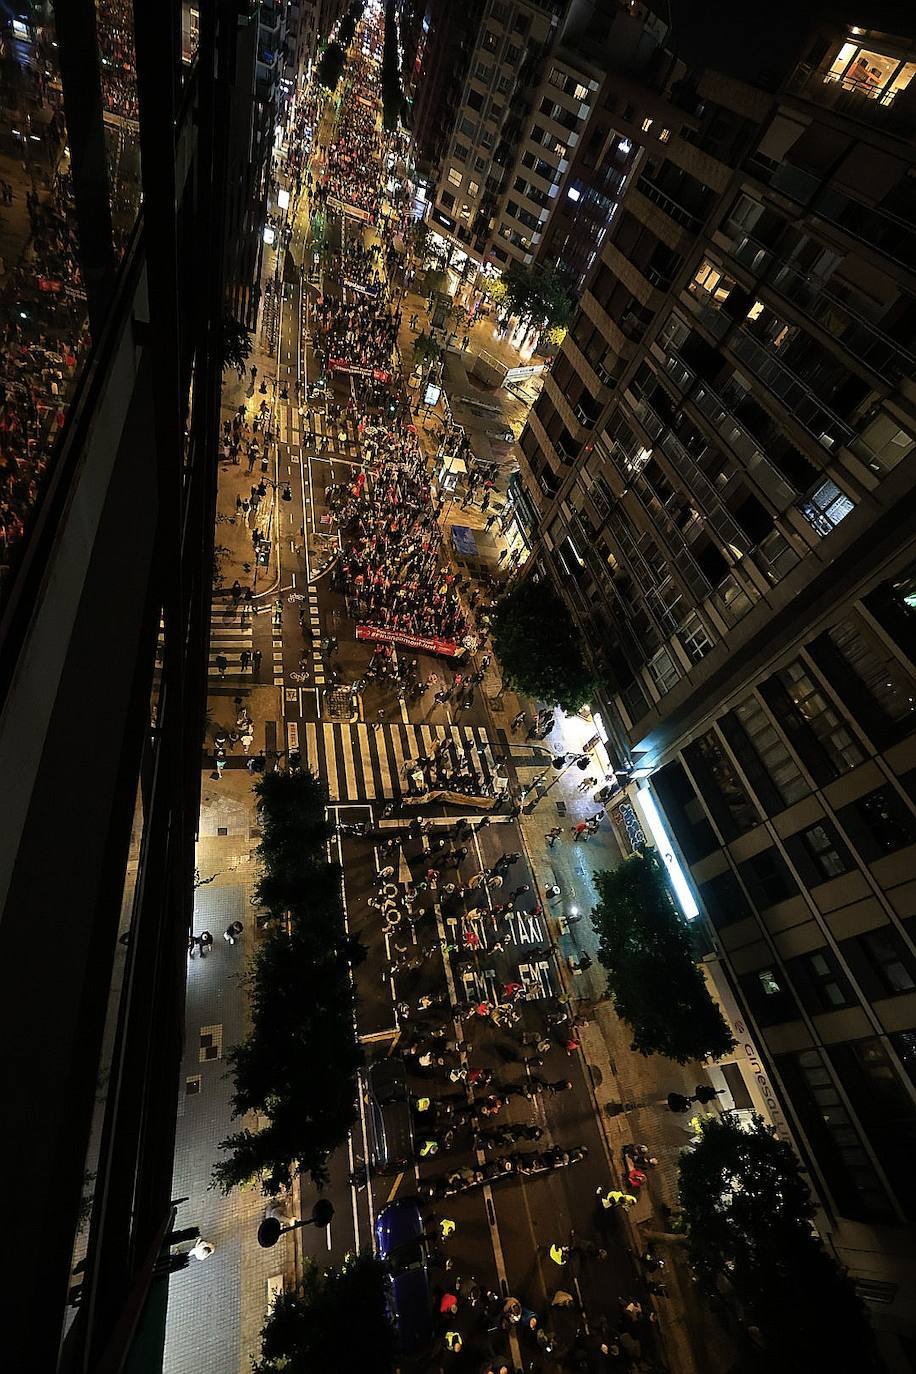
(222,663)
(232,933)
(256,662)
(553,835)
(245,659)
(559,1253)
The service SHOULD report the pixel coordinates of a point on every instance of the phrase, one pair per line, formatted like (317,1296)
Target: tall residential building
(525,173)
(724,461)
(146,192)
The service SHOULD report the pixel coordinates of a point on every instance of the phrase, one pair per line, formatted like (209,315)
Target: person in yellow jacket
(446,1227)
(613,1197)
(559,1253)
(453,1341)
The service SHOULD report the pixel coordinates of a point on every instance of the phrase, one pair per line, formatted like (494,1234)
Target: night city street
(458,654)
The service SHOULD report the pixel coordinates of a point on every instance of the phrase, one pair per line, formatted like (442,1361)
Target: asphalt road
(503,1230)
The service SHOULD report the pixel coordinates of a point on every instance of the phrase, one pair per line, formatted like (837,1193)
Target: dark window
(767,878)
(685,811)
(763,755)
(724,899)
(890,958)
(815,727)
(885,1109)
(879,823)
(893,604)
(834,1137)
(820,983)
(447,199)
(880,693)
(490,40)
(720,786)
(881,962)
(475,100)
(818,853)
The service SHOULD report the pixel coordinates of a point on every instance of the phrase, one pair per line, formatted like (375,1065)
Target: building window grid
(728,779)
(826,851)
(821,717)
(832,1109)
(772,751)
(882,676)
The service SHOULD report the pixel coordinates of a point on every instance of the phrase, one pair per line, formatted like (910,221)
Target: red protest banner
(429,644)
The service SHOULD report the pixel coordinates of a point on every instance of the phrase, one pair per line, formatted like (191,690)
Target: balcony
(880,230)
(864,103)
(821,302)
(671,208)
(800,401)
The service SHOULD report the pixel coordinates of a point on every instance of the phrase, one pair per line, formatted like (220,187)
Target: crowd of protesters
(44,331)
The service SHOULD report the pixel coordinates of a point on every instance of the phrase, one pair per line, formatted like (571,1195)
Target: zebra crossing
(323,432)
(230,635)
(361,763)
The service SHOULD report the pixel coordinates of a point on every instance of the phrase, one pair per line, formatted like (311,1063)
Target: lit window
(664,135)
(454,176)
(842,59)
(473,188)
(581,92)
(573,193)
(755,311)
(646,125)
(769,982)
(826,507)
(625,145)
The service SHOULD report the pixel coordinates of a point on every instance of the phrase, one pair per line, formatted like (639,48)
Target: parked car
(389,1123)
(402,1249)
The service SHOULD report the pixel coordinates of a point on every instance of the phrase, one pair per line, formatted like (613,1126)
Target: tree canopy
(539,651)
(330,66)
(301,998)
(537,295)
(653,977)
(426,350)
(748,1212)
(392,95)
(236,344)
(336,1318)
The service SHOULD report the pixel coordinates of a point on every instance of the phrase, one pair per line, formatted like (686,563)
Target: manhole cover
(340,704)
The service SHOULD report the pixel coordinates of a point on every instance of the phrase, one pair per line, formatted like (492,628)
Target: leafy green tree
(748,1212)
(297,1067)
(346,31)
(392,95)
(653,977)
(537,295)
(538,649)
(236,345)
(330,66)
(426,350)
(336,1318)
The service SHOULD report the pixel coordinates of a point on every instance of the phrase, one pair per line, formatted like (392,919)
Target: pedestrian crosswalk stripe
(361,763)
(230,635)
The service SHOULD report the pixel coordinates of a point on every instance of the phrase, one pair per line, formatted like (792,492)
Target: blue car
(402,1249)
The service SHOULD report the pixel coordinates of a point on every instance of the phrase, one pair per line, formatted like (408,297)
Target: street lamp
(271,1228)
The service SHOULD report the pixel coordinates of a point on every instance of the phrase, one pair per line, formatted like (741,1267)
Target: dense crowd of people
(44,333)
(42,339)
(391,568)
(118,62)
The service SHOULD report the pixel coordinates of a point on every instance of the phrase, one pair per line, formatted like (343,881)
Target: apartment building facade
(724,462)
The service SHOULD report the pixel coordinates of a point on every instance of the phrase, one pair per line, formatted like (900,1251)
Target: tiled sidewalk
(217,1308)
